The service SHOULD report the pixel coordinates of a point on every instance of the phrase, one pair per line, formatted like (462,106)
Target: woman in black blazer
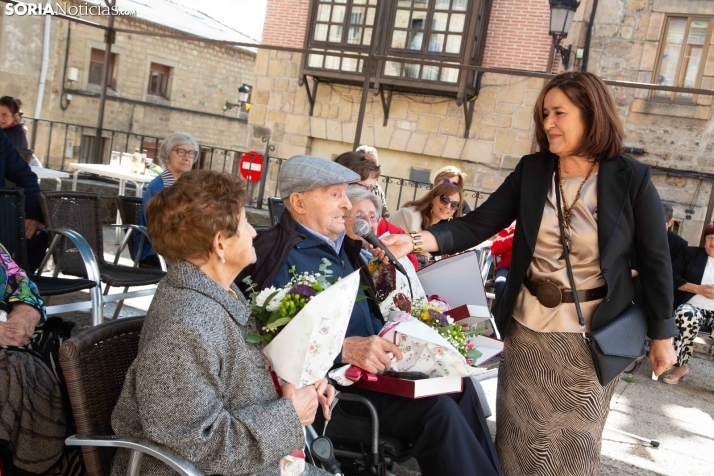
(693,300)
(551,409)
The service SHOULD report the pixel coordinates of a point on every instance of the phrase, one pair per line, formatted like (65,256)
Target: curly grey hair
(356,194)
(172,141)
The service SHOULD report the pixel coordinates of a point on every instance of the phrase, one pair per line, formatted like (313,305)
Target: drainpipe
(45,64)
(588,36)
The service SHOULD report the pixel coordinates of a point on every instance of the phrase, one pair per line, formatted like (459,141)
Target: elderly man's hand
(20,325)
(369,353)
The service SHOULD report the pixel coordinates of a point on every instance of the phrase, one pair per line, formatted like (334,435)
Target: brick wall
(285,22)
(518,35)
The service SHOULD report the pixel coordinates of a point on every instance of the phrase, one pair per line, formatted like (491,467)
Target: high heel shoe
(674,380)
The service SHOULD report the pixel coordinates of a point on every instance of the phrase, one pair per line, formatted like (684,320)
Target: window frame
(112,68)
(158,69)
(680,70)
(477,15)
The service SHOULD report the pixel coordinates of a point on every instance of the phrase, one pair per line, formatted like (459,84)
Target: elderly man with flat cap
(448,433)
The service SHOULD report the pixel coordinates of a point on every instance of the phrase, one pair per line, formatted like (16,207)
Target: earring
(222,260)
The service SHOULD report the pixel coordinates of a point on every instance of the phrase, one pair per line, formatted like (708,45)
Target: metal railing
(399,190)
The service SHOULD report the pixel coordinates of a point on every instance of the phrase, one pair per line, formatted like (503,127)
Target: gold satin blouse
(547,265)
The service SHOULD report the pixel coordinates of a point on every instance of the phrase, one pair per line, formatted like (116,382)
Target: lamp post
(243,93)
(561,17)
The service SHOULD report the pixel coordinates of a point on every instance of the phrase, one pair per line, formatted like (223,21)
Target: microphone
(361,228)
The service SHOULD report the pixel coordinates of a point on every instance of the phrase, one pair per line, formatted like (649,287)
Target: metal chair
(275,207)
(95,363)
(80,213)
(130,213)
(12,237)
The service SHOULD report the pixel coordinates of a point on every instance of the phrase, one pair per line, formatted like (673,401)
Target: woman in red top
(501,250)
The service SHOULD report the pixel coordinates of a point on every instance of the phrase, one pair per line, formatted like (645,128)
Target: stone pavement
(680,417)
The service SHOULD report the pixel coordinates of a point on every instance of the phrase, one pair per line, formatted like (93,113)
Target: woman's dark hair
(359,164)
(183,219)
(13,104)
(604,135)
(423,205)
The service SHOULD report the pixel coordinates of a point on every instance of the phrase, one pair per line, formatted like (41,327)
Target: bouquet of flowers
(389,283)
(304,322)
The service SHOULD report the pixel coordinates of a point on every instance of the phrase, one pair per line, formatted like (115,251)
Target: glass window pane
(449,75)
(354,35)
(392,68)
(399,39)
(323,12)
(339,1)
(367,38)
(359,2)
(453,44)
(315,61)
(436,42)
(332,62)
(335,34)
(442,4)
(404,3)
(338,14)
(459,5)
(349,64)
(321,32)
(373,2)
(402,19)
(421,4)
(357,15)
(370,16)
(411,71)
(430,73)
(667,75)
(438,21)
(457,22)
(418,20)
(415,40)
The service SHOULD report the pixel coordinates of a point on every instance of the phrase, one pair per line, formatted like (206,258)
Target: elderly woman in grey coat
(196,386)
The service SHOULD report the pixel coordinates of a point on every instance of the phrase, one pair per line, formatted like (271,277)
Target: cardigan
(688,268)
(629,219)
(197,388)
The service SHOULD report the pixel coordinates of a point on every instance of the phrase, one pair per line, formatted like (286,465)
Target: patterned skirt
(550,407)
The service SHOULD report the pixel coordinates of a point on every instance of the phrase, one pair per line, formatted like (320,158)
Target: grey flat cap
(303,173)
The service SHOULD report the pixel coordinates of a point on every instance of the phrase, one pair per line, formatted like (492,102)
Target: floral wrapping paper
(305,349)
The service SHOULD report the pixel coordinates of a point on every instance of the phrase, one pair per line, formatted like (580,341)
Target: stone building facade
(426,132)
(192,82)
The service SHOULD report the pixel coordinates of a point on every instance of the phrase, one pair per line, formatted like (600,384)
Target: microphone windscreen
(361,228)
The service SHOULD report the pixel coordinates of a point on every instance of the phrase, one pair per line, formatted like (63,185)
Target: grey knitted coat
(197,388)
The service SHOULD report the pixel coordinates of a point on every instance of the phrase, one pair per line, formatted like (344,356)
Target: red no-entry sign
(251,166)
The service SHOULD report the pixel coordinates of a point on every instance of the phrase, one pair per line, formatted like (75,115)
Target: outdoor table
(43,173)
(116,172)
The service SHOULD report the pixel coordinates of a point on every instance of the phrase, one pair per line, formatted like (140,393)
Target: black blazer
(688,268)
(677,246)
(630,218)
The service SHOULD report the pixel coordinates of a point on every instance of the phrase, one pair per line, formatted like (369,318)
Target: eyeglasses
(369,188)
(445,201)
(182,153)
(362,216)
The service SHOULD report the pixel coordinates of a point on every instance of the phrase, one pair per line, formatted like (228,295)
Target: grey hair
(668,212)
(367,149)
(356,194)
(175,139)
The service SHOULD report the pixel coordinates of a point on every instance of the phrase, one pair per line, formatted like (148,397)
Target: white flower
(260,299)
(275,302)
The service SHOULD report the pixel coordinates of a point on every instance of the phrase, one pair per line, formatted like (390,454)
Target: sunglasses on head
(446,201)
(453,180)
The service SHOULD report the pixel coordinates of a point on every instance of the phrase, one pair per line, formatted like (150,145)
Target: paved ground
(680,417)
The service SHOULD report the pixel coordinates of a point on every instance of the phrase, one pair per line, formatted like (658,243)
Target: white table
(43,173)
(113,172)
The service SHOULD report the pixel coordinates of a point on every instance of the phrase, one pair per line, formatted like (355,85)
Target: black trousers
(448,433)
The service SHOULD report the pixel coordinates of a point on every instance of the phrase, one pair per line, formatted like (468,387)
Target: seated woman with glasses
(364,207)
(441,203)
(177,153)
(451,174)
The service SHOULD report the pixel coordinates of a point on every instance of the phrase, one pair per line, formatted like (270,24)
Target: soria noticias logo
(23,9)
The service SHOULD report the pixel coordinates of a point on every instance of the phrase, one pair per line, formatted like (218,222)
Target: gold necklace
(568,209)
(575,171)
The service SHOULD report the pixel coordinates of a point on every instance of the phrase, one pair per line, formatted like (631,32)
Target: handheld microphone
(361,228)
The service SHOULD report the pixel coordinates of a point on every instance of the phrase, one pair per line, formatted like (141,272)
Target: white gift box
(306,348)
(402,286)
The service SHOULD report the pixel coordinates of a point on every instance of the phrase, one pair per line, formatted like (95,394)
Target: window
(682,53)
(86,150)
(96,68)
(445,31)
(159,80)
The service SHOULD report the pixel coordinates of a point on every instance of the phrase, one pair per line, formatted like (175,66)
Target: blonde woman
(451,174)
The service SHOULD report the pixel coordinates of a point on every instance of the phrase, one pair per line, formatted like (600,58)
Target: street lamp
(561,17)
(243,93)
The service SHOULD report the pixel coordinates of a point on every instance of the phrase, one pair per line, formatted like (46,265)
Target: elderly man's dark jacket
(689,268)
(629,218)
(273,246)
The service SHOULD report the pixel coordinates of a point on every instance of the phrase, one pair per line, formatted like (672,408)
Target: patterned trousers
(688,319)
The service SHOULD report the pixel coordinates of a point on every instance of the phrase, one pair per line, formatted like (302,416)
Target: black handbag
(620,342)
